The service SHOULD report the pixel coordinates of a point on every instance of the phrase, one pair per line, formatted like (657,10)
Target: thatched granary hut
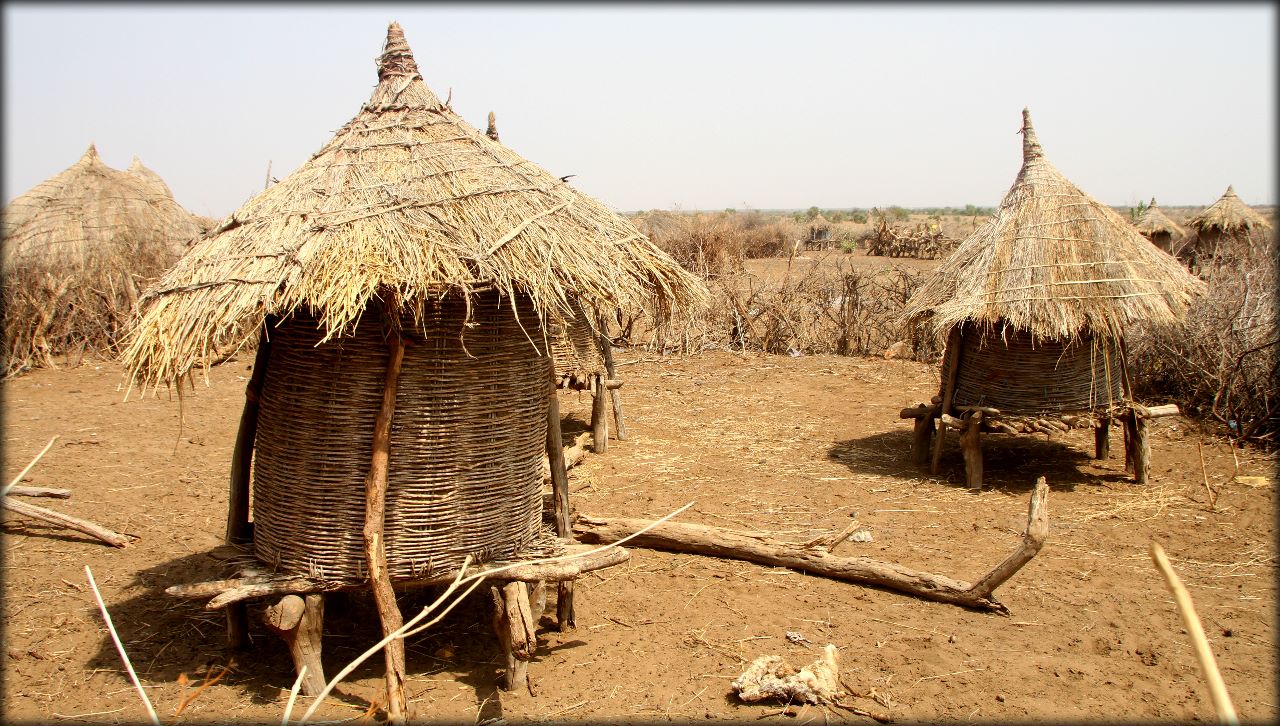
(817,233)
(78,248)
(398,284)
(1217,234)
(1033,306)
(1156,226)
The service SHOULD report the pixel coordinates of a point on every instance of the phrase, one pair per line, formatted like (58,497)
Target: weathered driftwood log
(300,623)
(115,539)
(18,491)
(226,592)
(514,622)
(573,455)
(1168,409)
(762,549)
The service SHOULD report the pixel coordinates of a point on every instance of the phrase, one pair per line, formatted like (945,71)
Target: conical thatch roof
(406,199)
(90,210)
(152,179)
(1228,215)
(1055,262)
(819,222)
(1154,221)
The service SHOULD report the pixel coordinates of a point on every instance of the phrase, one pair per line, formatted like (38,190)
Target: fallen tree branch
(20,491)
(114,539)
(23,473)
(762,549)
(573,455)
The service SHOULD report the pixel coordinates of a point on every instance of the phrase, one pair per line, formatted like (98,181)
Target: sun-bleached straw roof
(406,199)
(1053,261)
(1228,215)
(1155,221)
(90,211)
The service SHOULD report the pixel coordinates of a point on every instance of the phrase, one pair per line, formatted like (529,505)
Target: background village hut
(78,249)
(818,233)
(1156,226)
(1222,232)
(1033,306)
(583,357)
(398,283)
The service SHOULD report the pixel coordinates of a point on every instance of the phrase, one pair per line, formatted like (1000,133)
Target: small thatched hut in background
(78,249)
(398,284)
(1033,306)
(1220,232)
(817,233)
(1156,226)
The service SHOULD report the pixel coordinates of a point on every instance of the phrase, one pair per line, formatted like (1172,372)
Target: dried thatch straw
(492,131)
(409,200)
(1055,262)
(77,249)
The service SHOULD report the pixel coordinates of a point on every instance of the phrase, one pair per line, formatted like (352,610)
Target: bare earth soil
(792,446)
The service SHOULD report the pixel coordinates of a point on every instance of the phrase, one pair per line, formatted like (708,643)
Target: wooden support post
(1130,424)
(971,445)
(300,623)
(949,374)
(514,623)
(560,499)
(1102,439)
(599,415)
(238,528)
(921,437)
(606,346)
(1141,447)
(242,455)
(374,538)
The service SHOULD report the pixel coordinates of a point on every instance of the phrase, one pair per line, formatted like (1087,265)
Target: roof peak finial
(492,131)
(1231,192)
(1030,143)
(1152,204)
(397,58)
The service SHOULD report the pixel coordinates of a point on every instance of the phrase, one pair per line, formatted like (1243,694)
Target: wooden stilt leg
(921,438)
(971,445)
(375,541)
(300,623)
(950,369)
(599,415)
(514,623)
(538,598)
(1129,436)
(1102,439)
(1141,450)
(239,530)
(615,396)
(560,499)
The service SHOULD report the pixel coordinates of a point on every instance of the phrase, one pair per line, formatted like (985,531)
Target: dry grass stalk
(1055,262)
(78,247)
(115,638)
(1204,656)
(407,199)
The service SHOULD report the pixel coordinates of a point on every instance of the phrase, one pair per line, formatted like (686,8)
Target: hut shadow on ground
(166,636)
(1011,464)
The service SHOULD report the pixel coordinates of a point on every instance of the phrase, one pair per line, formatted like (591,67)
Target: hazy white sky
(663,106)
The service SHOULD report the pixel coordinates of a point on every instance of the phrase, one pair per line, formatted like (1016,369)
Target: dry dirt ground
(792,446)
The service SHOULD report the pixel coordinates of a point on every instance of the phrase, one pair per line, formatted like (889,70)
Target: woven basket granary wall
(574,347)
(466,448)
(1010,373)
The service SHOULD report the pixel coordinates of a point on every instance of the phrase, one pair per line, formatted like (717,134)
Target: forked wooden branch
(762,549)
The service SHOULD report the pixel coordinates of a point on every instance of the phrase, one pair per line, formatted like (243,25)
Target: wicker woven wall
(466,443)
(1019,378)
(574,347)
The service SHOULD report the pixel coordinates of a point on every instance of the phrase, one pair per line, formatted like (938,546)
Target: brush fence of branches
(467,438)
